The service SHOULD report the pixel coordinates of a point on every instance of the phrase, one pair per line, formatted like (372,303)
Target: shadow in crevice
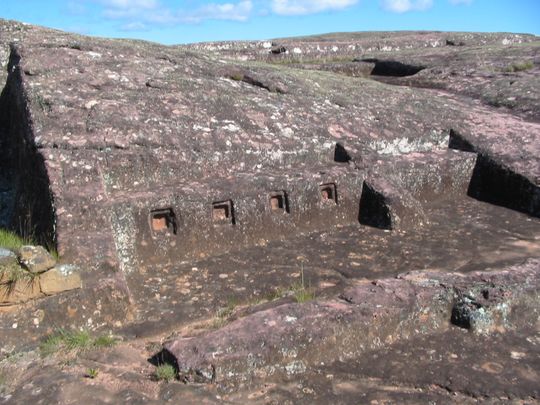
(458,142)
(26,201)
(392,68)
(340,154)
(493,183)
(374,210)
(164,357)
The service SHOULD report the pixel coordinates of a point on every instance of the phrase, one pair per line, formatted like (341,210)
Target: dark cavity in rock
(496,184)
(458,142)
(340,154)
(373,209)
(392,68)
(462,313)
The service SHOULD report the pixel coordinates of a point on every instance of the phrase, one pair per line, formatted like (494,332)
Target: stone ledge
(291,338)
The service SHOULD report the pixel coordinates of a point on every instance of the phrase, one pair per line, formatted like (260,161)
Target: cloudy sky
(183,21)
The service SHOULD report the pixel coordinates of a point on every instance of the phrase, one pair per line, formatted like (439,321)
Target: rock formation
(178,178)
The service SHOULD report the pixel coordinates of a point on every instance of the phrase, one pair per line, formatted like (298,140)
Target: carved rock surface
(178,177)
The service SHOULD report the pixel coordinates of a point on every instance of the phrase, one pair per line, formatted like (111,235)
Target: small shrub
(165,372)
(91,373)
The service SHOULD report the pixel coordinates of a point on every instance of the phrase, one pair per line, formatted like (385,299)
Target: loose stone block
(36,259)
(59,279)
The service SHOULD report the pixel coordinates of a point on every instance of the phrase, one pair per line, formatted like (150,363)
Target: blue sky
(184,21)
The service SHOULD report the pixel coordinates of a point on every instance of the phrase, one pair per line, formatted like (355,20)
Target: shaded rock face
(133,158)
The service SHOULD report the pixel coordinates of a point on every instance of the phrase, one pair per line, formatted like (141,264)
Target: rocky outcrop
(293,338)
(138,161)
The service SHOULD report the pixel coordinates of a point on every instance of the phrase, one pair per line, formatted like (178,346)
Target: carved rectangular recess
(163,222)
(279,202)
(328,193)
(223,212)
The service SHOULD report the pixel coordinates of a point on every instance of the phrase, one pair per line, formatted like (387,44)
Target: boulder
(36,259)
(59,279)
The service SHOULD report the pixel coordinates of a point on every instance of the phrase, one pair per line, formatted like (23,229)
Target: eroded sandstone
(393,175)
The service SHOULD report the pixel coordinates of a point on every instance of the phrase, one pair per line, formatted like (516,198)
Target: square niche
(223,212)
(328,193)
(279,202)
(163,222)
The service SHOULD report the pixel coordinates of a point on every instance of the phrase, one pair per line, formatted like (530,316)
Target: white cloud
(134,26)
(402,6)
(300,7)
(139,13)
(228,11)
(130,4)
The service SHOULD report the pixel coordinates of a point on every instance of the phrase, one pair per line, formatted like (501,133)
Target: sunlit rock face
(250,161)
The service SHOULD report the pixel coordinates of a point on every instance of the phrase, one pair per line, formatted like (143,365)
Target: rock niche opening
(392,68)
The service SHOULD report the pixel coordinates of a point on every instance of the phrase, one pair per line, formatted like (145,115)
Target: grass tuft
(2,383)
(11,241)
(165,372)
(11,274)
(74,341)
(302,294)
(91,373)
(519,66)
(105,341)
(238,77)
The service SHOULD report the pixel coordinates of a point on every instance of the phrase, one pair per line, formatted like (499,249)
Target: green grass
(2,383)
(237,77)
(91,373)
(73,341)
(11,241)
(165,372)
(303,294)
(519,66)
(105,341)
